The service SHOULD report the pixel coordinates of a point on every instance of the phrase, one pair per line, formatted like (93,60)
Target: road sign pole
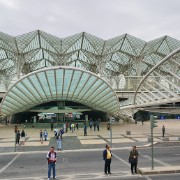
(15,130)
(152,148)
(15,141)
(153,125)
(110,131)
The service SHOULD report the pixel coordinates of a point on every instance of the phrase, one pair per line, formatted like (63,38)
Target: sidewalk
(159,170)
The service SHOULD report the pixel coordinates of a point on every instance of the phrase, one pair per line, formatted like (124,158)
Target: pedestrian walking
(163,131)
(18,136)
(52,125)
(107,155)
(51,158)
(55,132)
(90,125)
(72,127)
(61,132)
(66,126)
(59,142)
(108,126)
(23,136)
(85,129)
(77,126)
(94,125)
(97,124)
(142,120)
(41,135)
(133,159)
(45,135)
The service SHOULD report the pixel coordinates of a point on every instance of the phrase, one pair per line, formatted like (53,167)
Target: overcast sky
(145,19)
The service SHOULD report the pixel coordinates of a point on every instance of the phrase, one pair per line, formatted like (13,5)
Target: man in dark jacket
(163,131)
(133,158)
(18,135)
(107,155)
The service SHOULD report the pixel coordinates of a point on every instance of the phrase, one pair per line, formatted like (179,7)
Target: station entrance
(59,112)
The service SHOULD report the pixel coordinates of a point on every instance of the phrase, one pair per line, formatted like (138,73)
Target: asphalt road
(87,164)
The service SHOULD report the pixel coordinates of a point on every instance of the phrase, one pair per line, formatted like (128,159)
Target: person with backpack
(55,132)
(51,158)
(61,132)
(107,155)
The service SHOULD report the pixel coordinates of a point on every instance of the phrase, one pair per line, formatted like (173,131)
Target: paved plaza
(139,135)
(78,150)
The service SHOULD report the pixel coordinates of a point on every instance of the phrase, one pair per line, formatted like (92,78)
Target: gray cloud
(106,19)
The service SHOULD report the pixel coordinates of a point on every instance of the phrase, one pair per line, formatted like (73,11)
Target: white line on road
(121,159)
(101,175)
(158,161)
(5,167)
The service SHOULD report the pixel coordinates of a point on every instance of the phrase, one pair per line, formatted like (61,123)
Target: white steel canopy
(60,83)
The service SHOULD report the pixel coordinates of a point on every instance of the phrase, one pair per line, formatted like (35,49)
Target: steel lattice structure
(156,89)
(124,54)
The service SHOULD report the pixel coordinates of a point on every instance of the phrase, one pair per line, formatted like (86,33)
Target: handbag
(131,160)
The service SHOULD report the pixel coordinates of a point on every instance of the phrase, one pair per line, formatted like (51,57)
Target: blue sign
(161,117)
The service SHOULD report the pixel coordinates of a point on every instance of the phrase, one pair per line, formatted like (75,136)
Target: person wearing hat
(133,159)
(107,155)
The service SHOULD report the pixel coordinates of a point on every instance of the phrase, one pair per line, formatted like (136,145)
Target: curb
(159,170)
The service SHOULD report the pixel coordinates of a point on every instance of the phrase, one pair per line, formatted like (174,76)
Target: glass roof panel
(30,87)
(37,85)
(95,91)
(43,80)
(94,87)
(21,95)
(67,81)
(88,87)
(51,81)
(24,89)
(81,84)
(74,82)
(59,81)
